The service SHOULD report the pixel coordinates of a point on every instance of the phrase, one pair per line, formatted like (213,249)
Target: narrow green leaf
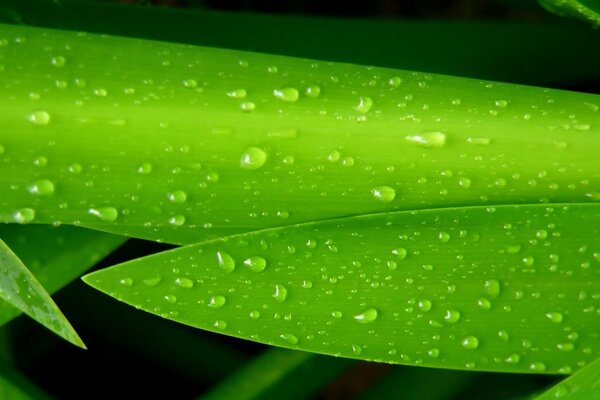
(588,10)
(584,384)
(55,255)
(508,288)
(213,142)
(19,288)
(15,386)
(279,373)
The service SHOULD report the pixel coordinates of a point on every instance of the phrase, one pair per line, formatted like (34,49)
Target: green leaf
(279,373)
(55,255)
(584,384)
(178,143)
(588,10)
(15,386)
(20,289)
(507,288)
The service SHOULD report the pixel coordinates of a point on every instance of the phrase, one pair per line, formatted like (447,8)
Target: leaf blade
(505,288)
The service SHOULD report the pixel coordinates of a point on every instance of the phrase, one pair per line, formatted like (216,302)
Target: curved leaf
(588,10)
(213,142)
(508,288)
(20,289)
(584,384)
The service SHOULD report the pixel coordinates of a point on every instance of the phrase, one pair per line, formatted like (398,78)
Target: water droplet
(367,316)
(178,196)
(280,293)
(492,288)
(464,182)
(385,194)
(247,106)
(189,83)
(470,342)
(254,314)
(555,317)
(237,93)
(513,359)
(501,103)
(356,349)
(216,301)
(144,168)
(484,304)
(528,261)
(126,281)
(101,92)
(400,252)
(394,81)
(430,140)
(537,366)
(444,237)
(171,298)
(364,105)
(225,261)
(313,91)
(288,94)
(107,214)
(58,61)
(253,158)
(336,314)
(289,338)
(541,234)
(480,141)
(452,316)
(256,263)
(504,336)
(184,282)
(24,215)
(424,305)
(220,324)
(565,346)
(177,220)
(152,281)
(433,353)
(39,118)
(43,187)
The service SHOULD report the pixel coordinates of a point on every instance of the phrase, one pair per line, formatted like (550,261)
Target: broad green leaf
(588,10)
(572,50)
(585,384)
(20,289)
(507,288)
(178,143)
(280,373)
(55,255)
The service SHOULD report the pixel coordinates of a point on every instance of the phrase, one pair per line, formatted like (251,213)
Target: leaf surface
(584,384)
(508,288)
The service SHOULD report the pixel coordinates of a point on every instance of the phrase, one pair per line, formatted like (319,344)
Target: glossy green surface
(507,288)
(178,143)
(585,384)
(19,288)
(588,10)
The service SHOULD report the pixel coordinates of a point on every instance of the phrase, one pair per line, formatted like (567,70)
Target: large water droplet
(288,94)
(216,301)
(107,214)
(364,105)
(312,91)
(432,140)
(177,220)
(492,288)
(400,252)
(43,187)
(280,293)
(58,61)
(184,282)
(256,263)
(470,342)
(452,316)
(367,316)
(385,194)
(178,196)
(24,215)
(253,158)
(39,118)
(225,261)
(555,317)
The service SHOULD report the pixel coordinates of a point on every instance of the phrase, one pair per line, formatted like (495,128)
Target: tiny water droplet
(444,237)
(479,141)
(280,293)
(43,187)
(254,314)
(367,316)
(501,103)
(513,359)
(385,194)
(464,182)
(225,261)
(312,91)
(152,281)
(107,214)
(528,261)
(400,252)
(178,196)
(424,305)
(126,281)
(237,93)
(555,317)
(287,94)
(216,301)
(220,324)
(253,158)
(537,366)
(184,282)
(256,263)
(177,220)
(431,140)
(470,342)
(394,81)
(484,304)
(247,106)
(289,338)
(171,298)
(39,118)
(433,353)
(452,316)
(144,168)
(364,105)
(24,215)
(356,349)
(189,83)
(492,288)
(58,61)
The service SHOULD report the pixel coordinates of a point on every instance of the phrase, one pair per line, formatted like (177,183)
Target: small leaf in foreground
(585,384)
(506,288)
(19,287)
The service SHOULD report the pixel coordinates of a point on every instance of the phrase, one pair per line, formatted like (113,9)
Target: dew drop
(178,196)
(256,263)
(501,103)
(225,261)
(479,141)
(247,106)
(452,316)
(43,187)
(152,281)
(431,140)
(470,342)
(171,298)
(107,214)
(177,220)
(528,261)
(400,253)
(367,316)
(464,182)
(565,346)
(287,94)
(144,168)
(253,158)
(254,314)
(58,61)
(216,301)
(513,359)
(24,215)
(364,105)
(433,353)
(424,305)
(220,324)
(280,293)
(394,81)
(537,367)
(126,281)
(492,288)
(237,93)
(184,282)
(39,118)
(385,194)
(189,83)
(312,91)
(356,349)
(289,338)
(444,237)
(555,317)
